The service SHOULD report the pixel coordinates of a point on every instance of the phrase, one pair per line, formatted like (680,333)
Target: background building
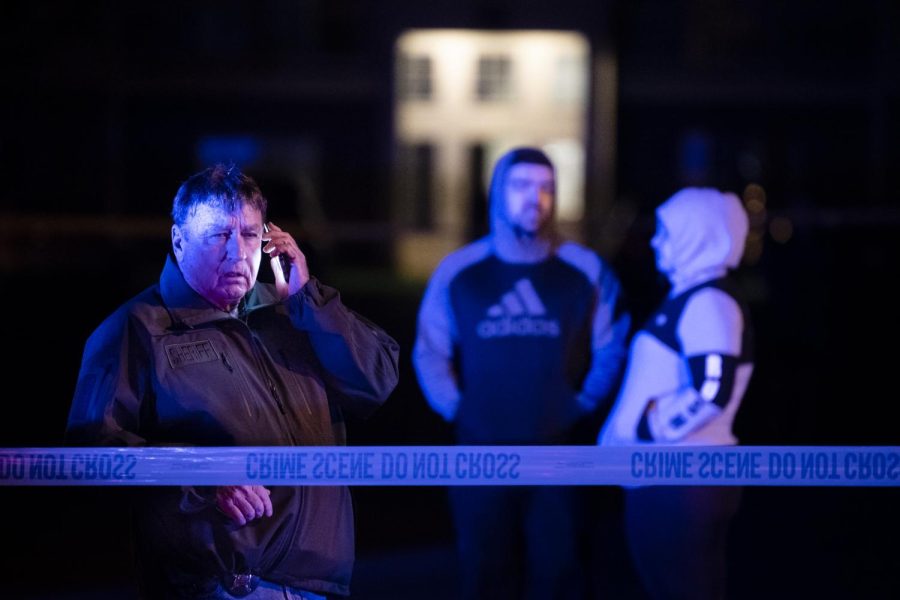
(463,98)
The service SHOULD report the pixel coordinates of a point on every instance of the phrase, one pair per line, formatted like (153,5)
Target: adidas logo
(518,313)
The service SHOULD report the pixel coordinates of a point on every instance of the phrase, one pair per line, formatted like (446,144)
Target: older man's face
(219,252)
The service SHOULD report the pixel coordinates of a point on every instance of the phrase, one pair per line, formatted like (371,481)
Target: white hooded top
(705,232)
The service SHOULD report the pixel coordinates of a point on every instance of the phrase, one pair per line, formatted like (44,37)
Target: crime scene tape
(454,465)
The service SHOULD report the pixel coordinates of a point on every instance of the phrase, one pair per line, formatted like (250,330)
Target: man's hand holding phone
(285,256)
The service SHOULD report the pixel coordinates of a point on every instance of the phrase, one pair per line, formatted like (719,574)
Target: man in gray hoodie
(520,335)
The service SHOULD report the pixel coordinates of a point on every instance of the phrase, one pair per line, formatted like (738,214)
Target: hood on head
(496,197)
(706,230)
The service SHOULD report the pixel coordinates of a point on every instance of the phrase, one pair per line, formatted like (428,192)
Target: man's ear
(177,242)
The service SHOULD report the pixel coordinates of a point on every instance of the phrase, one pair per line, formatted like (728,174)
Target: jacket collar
(188,308)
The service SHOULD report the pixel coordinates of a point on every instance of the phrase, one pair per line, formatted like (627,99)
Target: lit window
(414,78)
(571,79)
(494,78)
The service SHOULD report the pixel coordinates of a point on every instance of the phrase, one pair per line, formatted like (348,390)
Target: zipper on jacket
(231,370)
(259,351)
(287,365)
(275,396)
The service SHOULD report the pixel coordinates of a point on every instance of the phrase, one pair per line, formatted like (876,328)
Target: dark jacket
(169,369)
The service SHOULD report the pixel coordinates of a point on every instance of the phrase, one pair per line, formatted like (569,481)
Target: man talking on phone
(208,356)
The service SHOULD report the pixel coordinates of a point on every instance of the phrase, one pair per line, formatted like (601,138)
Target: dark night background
(103,106)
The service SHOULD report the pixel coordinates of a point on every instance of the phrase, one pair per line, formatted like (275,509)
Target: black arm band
(713,376)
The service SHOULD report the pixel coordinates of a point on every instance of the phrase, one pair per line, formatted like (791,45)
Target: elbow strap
(671,417)
(713,376)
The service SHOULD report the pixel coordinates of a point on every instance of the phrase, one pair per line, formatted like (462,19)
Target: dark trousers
(517,542)
(677,539)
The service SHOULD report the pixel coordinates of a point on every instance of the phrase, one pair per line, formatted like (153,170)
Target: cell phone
(283,260)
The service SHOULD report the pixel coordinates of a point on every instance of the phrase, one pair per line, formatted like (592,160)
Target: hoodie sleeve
(610,323)
(434,348)
(360,359)
(609,332)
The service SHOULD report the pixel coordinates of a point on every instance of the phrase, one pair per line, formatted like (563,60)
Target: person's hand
(243,503)
(281,243)
(673,416)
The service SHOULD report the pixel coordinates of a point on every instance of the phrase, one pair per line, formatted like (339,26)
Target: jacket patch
(191,353)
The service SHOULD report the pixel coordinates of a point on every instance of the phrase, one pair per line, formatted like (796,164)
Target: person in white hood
(687,371)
